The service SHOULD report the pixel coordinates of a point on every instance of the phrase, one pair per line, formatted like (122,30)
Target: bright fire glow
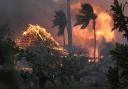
(85,37)
(34,33)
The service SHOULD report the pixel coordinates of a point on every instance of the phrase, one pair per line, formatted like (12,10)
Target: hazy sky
(36,11)
(22,12)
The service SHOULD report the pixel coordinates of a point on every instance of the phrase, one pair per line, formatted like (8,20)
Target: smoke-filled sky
(19,13)
(38,11)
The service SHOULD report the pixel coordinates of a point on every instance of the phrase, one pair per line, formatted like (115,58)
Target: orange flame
(85,37)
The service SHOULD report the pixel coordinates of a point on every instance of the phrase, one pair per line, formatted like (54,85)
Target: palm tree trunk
(64,40)
(94,23)
(69,27)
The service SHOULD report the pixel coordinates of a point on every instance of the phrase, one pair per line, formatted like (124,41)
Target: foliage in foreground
(119,18)
(8,53)
(118,73)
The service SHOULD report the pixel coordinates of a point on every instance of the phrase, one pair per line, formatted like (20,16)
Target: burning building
(36,34)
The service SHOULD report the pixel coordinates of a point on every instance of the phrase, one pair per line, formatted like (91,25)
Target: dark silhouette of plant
(113,77)
(60,21)
(119,78)
(120,20)
(8,73)
(120,57)
(87,14)
(8,58)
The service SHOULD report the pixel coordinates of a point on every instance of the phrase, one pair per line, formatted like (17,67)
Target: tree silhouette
(69,25)
(60,21)
(87,14)
(8,73)
(113,77)
(120,20)
(118,73)
(120,57)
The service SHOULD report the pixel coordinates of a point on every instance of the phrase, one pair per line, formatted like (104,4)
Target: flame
(103,30)
(104,27)
(33,33)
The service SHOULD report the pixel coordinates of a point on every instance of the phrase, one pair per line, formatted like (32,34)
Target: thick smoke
(20,13)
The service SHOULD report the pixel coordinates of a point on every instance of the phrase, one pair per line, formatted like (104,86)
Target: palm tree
(60,21)
(87,14)
(120,20)
(118,75)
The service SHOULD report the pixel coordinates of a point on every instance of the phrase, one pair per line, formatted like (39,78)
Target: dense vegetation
(118,73)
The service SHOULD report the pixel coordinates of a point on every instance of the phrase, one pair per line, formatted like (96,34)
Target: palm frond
(82,20)
(120,21)
(60,21)
(86,14)
(86,9)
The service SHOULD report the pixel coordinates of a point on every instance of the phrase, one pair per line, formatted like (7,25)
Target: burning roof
(34,34)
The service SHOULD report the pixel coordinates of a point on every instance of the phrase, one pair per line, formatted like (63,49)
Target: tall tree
(69,26)
(118,75)
(60,21)
(87,14)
